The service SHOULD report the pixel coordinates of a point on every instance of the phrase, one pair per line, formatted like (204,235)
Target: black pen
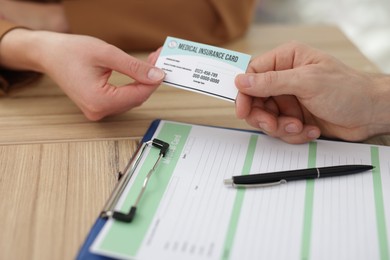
(273,178)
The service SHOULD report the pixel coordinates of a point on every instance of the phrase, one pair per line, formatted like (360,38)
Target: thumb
(270,83)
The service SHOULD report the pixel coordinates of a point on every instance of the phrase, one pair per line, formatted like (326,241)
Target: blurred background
(365,22)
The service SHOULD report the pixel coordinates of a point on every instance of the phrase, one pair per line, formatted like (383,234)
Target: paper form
(188,213)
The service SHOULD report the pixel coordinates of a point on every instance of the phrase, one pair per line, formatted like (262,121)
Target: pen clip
(256,185)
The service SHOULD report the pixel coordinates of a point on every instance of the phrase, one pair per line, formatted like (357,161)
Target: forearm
(11,78)
(20,49)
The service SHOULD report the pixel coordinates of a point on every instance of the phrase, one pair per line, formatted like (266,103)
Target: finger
(152,58)
(271,106)
(308,134)
(139,70)
(243,105)
(287,126)
(291,130)
(289,106)
(288,129)
(271,83)
(261,119)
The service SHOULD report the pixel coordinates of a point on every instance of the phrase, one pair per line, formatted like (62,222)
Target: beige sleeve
(135,25)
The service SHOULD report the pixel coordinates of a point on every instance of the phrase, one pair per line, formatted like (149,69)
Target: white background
(365,22)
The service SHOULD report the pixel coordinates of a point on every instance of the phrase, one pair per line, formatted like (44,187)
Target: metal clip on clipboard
(109,208)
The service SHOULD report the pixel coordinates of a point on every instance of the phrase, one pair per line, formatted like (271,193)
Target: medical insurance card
(202,68)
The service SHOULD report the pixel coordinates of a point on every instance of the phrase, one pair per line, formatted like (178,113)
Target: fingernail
(313,134)
(291,128)
(264,126)
(156,74)
(245,81)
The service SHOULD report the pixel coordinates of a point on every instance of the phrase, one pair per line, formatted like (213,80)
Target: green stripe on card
(239,200)
(308,207)
(379,206)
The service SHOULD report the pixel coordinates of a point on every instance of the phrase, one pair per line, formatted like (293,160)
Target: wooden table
(58,169)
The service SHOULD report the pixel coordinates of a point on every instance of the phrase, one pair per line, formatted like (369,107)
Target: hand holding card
(202,68)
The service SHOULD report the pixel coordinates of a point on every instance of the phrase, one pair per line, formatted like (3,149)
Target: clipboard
(235,215)
(84,252)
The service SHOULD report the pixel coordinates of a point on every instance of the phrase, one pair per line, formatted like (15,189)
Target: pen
(273,178)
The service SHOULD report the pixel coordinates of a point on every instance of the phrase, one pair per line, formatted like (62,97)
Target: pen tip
(228,181)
